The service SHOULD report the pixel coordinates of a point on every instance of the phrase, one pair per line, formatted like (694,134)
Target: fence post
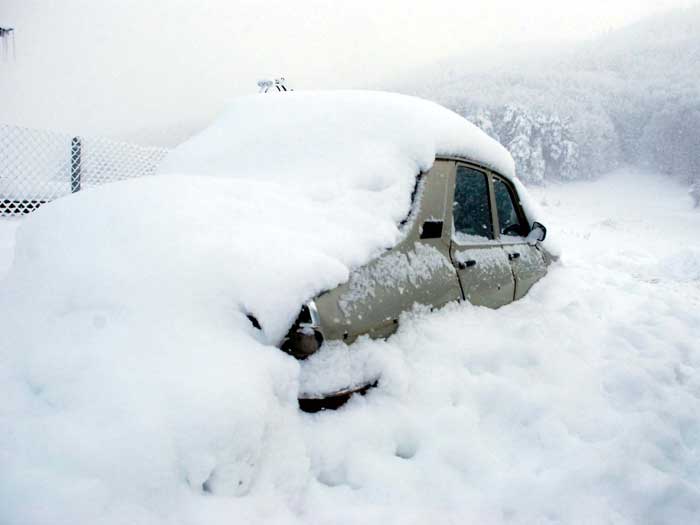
(75,164)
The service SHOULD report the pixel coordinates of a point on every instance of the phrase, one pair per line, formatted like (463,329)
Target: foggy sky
(154,71)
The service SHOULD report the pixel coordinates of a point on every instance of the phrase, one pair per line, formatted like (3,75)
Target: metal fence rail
(38,166)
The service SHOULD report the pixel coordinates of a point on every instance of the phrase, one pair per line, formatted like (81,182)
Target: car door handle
(463,265)
(513,255)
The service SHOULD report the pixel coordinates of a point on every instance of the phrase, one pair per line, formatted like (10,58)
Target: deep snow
(577,404)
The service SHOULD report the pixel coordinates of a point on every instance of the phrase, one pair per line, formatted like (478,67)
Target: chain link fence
(38,166)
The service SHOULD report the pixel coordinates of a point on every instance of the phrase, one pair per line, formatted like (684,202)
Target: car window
(508,219)
(471,210)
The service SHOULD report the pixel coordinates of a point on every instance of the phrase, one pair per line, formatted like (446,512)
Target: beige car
(466,237)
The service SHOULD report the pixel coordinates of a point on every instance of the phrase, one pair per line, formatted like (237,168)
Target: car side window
(509,221)
(471,210)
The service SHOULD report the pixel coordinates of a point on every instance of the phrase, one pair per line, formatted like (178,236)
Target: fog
(155,73)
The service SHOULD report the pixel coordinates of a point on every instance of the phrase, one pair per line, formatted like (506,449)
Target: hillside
(631,96)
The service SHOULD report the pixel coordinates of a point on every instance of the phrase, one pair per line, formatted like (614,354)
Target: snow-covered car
(349,208)
(467,237)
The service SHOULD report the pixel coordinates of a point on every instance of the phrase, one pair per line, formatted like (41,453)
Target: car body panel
(528,266)
(416,270)
(485,274)
(430,266)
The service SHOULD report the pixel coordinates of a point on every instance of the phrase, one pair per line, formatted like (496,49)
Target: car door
(483,267)
(527,261)
(418,270)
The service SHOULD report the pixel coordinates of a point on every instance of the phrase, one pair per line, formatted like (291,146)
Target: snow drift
(577,404)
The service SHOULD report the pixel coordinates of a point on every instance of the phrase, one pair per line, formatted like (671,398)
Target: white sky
(134,68)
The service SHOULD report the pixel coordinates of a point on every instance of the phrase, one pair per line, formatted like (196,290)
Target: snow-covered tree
(630,97)
(541,144)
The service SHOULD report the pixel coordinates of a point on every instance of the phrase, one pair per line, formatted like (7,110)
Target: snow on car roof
(336,136)
(356,145)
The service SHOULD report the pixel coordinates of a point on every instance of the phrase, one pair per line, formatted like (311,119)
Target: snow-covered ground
(7,243)
(578,404)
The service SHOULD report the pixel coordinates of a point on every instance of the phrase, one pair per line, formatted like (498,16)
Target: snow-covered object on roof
(330,139)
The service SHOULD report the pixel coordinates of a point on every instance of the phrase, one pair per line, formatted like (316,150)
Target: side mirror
(538,232)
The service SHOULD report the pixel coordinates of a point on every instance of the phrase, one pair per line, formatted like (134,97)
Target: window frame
(498,239)
(491,201)
(515,199)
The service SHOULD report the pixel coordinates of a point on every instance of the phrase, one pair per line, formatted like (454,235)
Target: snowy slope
(577,404)
(572,112)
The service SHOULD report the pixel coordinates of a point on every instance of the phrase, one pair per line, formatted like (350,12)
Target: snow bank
(130,376)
